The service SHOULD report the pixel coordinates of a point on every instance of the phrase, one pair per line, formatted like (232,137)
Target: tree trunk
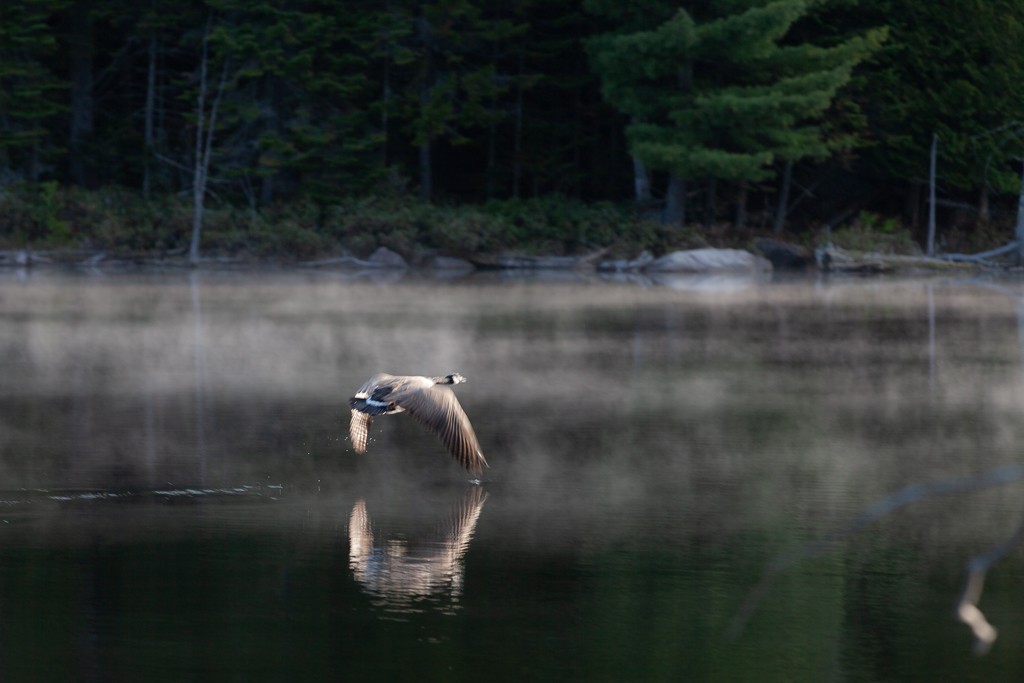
(150,117)
(1019,232)
(204,146)
(267,188)
(80,50)
(741,207)
(675,202)
(426,173)
(490,175)
(385,106)
(912,205)
(35,166)
(492,162)
(198,177)
(641,182)
(517,139)
(641,177)
(931,194)
(710,209)
(783,207)
(426,156)
(268,179)
(426,82)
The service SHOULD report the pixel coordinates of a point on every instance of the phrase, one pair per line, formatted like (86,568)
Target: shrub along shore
(121,223)
(116,223)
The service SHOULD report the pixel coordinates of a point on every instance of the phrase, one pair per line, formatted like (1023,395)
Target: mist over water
(179,499)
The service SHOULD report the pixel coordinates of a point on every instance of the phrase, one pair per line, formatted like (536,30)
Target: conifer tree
(449,79)
(30,93)
(955,68)
(297,113)
(725,98)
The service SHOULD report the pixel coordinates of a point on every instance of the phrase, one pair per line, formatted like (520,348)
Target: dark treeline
(789,113)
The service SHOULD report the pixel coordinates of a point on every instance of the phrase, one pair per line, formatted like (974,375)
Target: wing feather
(437,407)
(359,430)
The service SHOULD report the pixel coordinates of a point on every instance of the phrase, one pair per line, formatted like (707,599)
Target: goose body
(428,399)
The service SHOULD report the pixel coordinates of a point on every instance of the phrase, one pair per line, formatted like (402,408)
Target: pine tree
(297,112)
(306,70)
(725,98)
(30,93)
(331,137)
(448,80)
(954,68)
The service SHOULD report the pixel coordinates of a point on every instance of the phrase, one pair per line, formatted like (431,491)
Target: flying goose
(429,400)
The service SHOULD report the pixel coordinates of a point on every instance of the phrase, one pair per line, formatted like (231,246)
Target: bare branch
(977,566)
(983,256)
(213,119)
(172,162)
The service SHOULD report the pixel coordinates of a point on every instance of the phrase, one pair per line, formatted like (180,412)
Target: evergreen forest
(466,126)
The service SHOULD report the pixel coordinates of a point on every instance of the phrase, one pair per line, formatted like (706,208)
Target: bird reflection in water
(407,576)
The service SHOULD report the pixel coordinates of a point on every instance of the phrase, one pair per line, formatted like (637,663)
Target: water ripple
(23,497)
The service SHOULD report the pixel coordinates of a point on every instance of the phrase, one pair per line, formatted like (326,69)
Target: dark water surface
(679,474)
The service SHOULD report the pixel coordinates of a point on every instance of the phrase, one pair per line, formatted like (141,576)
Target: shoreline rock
(709,260)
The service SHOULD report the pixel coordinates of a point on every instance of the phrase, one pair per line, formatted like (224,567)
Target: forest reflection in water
(179,494)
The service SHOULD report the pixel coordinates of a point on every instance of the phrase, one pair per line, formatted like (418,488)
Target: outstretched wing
(359,430)
(439,409)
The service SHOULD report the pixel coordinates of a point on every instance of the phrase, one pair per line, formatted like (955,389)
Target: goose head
(454,378)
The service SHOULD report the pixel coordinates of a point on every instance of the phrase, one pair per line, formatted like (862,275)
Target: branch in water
(967,609)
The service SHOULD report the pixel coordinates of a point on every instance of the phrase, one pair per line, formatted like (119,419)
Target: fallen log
(984,256)
(340,261)
(522,261)
(381,258)
(834,259)
(22,257)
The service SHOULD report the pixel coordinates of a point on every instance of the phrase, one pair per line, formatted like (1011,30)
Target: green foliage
(327,100)
(34,213)
(46,212)
(557,225)
(295,80)
(551,225)
(724,98)
(870,232)
(450,89)
(954,68)
(122,222)
(872,221)
(30,93)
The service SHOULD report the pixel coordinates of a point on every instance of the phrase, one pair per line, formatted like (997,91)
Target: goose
(429,400)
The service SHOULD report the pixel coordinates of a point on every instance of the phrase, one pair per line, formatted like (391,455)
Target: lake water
(688,479)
